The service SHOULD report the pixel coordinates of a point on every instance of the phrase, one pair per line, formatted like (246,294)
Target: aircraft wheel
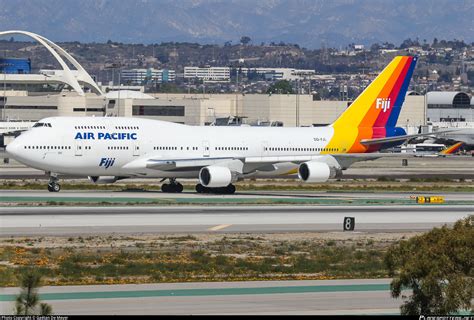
(179,188)
(165,188)
(56,187)
(230,189)
(199,188)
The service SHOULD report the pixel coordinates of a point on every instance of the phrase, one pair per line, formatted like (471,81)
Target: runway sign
(349,224)
(432,199)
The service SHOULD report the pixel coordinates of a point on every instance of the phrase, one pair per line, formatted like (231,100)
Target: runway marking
(219,227)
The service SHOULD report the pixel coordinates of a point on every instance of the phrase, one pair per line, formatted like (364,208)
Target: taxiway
(371,296)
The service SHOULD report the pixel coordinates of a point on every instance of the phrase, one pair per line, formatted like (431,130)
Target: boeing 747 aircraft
(110,149)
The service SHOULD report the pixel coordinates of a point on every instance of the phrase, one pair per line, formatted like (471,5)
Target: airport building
(208,74)
(15,66)
(193,109)
(144,76)
(275,74)
(449,106)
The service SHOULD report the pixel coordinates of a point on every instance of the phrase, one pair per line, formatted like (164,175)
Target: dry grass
(203,257)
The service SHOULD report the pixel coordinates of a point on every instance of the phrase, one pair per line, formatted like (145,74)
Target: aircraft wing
(343,160)
(180,164)
(368,142)
(241,165)
(462,134)
(183,164)
(251,164)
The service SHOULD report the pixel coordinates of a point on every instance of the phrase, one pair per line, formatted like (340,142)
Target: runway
(370,296)
(17,221)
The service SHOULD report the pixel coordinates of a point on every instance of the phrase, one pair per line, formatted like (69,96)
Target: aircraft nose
(13,148)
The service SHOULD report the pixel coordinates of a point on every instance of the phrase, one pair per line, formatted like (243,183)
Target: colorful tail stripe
(376,109)
(392,120)
(453,148)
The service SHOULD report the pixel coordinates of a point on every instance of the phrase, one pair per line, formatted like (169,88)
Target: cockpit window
(41,124)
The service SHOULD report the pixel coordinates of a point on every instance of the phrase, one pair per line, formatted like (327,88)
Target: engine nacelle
(316,171)
(103,179)
(216,176)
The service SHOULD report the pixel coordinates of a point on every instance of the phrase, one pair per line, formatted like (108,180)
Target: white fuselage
(121,146)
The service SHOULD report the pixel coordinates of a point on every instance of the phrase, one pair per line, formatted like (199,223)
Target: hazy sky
(306,22)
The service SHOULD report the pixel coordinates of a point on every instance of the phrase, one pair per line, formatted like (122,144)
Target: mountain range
(309,23)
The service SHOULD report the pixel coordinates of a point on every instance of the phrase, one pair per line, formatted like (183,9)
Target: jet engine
(103,179)
(216,176)
(316,171)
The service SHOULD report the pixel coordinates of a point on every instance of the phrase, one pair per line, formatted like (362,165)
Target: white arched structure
(73,79)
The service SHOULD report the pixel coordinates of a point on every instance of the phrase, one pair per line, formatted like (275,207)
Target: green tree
(45,309)
(28,299)
(437,267)
(244,40)
(282,86)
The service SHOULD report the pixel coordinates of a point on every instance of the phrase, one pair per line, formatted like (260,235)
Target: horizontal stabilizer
(368,142)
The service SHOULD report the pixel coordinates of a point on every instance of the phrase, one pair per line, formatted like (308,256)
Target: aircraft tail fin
(375,112)
(380,103)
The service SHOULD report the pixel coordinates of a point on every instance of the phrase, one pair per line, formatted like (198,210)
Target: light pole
(237,92)
(118,99)
(297,103)
(4,91)
(113,68)
(4,94)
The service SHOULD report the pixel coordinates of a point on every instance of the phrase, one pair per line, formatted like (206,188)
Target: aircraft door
(136,150)
(264,148)
(78,148)
(206,149)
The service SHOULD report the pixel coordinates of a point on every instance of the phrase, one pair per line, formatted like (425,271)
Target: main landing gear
(230,189)
(53,185)
(172,187)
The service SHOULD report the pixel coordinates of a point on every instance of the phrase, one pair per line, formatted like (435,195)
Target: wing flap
(176,164)
(272,159)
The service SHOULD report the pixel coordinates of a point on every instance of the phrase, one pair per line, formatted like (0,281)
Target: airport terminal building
(449,106)
(193,109)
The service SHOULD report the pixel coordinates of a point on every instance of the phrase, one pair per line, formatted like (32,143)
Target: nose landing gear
(53,185)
